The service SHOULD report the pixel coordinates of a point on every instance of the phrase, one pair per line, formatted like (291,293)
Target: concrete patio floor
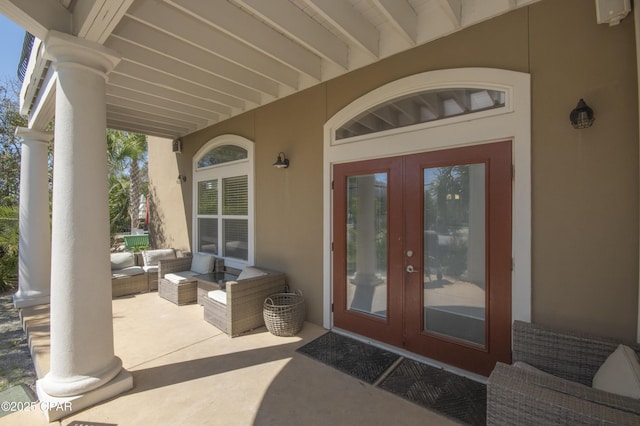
(186,371)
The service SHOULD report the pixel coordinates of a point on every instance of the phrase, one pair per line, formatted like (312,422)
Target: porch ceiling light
(282,162)
(582,116)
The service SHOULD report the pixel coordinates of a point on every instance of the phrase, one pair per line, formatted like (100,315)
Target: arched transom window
(223,200)
(422,107)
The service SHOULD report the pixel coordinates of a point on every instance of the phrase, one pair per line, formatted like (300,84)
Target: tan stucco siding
(584,183)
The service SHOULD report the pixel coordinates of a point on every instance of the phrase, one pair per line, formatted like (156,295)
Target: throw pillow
(151,257)
(250,272)
(202,263)
(122,260)
(620,373)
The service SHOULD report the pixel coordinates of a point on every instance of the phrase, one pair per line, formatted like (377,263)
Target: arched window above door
(422,107)
(222,154)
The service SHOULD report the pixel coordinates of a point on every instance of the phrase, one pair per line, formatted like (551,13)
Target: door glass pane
(454,252)
(367,244)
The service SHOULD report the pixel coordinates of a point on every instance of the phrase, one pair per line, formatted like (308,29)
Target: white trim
(513,122)
(220,171)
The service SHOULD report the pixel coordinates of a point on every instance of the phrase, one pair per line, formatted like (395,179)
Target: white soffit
(187,64)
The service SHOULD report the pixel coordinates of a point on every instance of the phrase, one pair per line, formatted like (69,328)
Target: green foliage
(10,118)
(9,240)
(127,154)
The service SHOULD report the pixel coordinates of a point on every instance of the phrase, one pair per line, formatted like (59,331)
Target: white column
(34,264)
(84,369)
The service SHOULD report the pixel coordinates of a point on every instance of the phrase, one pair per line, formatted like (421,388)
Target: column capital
(28,134)
(65,49)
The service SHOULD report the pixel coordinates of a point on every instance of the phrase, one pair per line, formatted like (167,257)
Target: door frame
(511,122)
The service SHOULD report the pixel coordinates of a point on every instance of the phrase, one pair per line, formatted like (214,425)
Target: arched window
(223,200)
(422,107)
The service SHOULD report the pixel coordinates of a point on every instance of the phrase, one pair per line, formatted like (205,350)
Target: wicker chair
(126,276)
(240,307)
(565,396)
(176,277)
(150,260)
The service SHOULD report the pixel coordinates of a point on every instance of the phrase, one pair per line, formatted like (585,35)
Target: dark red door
(422,253)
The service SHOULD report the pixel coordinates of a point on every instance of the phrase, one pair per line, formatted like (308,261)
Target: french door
(422,253)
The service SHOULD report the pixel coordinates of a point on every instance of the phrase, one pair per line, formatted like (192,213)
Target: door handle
(410,269)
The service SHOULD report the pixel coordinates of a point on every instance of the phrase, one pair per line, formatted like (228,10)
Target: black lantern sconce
(181,179)
(582,116)
(282,162)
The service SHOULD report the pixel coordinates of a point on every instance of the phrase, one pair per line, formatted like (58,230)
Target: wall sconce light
(582,116)
(181,179)
(282,162)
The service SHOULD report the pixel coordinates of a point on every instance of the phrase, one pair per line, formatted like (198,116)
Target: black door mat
(357,359)
(454,396)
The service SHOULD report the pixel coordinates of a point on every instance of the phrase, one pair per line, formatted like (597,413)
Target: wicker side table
(180,294)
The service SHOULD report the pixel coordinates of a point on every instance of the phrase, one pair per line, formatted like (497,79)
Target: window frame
(219,172)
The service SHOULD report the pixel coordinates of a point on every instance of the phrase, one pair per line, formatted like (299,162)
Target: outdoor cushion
(219,296)
(122,260)
(202,263)
(251,272)
(127,272)
(151,257)
(178,277)
(151,269)
(620,373)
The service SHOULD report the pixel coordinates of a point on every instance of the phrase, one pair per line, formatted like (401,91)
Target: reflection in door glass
(454,252)
(367,244)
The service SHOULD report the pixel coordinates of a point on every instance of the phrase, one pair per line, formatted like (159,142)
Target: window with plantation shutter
(208,197)
(235,193)
(224,213)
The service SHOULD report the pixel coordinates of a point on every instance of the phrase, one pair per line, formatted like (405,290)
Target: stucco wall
(585,183)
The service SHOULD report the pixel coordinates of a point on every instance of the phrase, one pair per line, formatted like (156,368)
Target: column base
(26,300)
(56,408)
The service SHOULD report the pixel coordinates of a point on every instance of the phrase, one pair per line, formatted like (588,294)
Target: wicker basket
(284,313)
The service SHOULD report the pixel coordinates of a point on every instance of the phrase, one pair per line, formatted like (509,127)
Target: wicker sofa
(127,276)
(565,396)
(238,307)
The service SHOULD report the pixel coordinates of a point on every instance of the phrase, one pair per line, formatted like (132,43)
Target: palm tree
(127,161)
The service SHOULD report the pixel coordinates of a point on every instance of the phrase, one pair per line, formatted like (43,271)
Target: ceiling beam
(453,10)
(137,128)
(239,24)
(150,118)
(94,20)
(402,16)
(156,110)
(158,78)
(148,59)
(171,47)
(299,26)
(141,86)
(38,16)
(171,21)
(157,101)
(349,22)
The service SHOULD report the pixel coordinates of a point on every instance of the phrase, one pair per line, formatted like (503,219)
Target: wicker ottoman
(215,313)
(180,294)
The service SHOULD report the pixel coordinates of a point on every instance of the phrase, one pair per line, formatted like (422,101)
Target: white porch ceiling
(187,64)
